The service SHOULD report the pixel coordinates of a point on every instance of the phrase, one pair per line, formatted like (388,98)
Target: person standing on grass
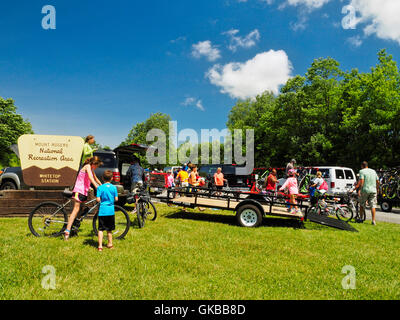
(368,190)
(87,149)
(291,185)
(107,195)
(81,189)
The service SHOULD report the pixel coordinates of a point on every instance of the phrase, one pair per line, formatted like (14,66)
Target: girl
(81,189)
(291,185)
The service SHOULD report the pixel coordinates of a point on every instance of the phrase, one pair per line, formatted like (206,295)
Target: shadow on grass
(91,243)
(231,219)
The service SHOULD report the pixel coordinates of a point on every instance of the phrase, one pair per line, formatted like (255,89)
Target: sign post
(50,161)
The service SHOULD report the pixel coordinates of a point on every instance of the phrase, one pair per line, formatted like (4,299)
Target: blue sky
(110,64)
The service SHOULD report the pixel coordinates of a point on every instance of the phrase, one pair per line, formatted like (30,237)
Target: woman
(81,189)
(87,149)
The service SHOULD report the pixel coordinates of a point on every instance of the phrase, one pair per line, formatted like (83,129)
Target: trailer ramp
(330,222)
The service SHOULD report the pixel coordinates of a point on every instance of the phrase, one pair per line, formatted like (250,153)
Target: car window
(339,174)
(208,169)
(109,160)
(349,174)
(124,168)
(325,172)
(228,169)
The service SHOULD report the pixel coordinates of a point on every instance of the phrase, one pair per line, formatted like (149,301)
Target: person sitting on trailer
(192,180)
(270,183)
(183,177)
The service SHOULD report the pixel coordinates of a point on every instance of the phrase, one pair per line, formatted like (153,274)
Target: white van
(339,179)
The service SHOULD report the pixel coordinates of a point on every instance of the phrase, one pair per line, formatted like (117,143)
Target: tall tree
(12,126)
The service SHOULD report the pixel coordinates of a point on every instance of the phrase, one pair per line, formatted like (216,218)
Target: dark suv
(235,181)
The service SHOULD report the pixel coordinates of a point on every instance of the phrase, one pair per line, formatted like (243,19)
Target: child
(81,189)
(291,185)
(106,194)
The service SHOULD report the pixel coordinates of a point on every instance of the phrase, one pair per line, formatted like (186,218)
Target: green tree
(12,126)
(139,132)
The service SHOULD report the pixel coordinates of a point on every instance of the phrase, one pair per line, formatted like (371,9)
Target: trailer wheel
(249,216)
(386,206)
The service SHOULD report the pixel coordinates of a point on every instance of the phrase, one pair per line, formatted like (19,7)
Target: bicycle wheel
(344,213)
(139,213)
(122,223)
(48,219)
(315,210)
(151,210)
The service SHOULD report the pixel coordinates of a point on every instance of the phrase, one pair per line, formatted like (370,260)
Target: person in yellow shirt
(183,177)
(87,149)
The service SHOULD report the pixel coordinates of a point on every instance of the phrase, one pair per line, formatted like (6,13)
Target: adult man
(369,188)
(135,173)
(290,166)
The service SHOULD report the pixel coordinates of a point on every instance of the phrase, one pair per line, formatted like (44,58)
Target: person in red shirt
(271,182)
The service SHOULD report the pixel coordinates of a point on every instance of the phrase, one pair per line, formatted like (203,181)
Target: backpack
(324,186)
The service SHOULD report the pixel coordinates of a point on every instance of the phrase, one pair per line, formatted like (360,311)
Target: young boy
(106,194)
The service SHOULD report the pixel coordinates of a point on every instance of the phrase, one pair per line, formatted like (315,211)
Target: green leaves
(12,126)
(328,117)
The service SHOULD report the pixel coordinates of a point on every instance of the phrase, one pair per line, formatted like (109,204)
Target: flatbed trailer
(250,207)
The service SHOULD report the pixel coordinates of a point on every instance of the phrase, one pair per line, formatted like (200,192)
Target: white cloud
(380,16)
(310,4)
(190,101)
(355,41)
(266,71)
(205,49)
(244,42)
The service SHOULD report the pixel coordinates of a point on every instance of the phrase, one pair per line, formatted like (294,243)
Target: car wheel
(386,206)
(8,185)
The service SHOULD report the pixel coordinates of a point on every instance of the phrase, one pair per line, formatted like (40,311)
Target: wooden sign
(50,161)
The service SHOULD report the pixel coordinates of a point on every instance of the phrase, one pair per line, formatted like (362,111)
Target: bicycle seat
(67,194)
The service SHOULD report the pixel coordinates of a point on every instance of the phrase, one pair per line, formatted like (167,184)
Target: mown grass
(203,256)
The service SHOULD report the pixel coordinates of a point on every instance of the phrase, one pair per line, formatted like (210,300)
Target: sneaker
(293,211)
(373,223)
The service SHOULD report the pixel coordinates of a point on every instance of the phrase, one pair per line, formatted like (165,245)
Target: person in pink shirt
(81,189)
(170,179)
(291,186)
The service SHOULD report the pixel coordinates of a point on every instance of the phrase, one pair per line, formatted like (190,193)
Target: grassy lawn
(204,256)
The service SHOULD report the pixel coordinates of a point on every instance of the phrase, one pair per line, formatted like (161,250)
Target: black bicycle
(145,209)
(50,219)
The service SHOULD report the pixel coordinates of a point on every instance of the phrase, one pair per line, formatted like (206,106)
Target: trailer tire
(249,216)
(386,206)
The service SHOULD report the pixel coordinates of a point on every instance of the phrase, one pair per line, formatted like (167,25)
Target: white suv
(339,179)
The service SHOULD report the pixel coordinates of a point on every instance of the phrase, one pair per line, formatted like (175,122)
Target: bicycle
(49,219)
(145,209)
(341,211)
(351,199)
